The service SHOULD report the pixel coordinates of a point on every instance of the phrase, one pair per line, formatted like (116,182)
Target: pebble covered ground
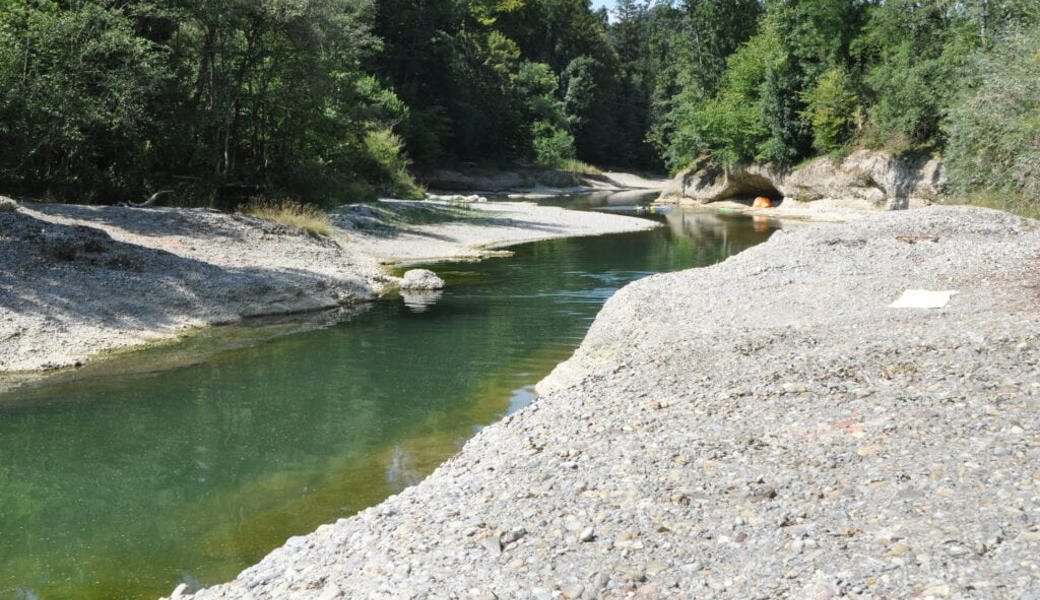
(765,428)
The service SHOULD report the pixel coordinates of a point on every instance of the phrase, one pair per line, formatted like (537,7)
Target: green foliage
(330,100)
(994,128)
(388,166)
(112,99)
(757,107)
(832,109)
(553,146)
(76,87)
(917,53)
(912,60)
(731,126)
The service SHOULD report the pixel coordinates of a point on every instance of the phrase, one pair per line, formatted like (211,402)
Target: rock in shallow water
(421,279)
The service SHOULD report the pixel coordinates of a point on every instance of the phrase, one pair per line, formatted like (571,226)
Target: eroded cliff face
(878,177)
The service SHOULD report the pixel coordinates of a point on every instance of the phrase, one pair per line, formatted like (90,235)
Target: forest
(332,101)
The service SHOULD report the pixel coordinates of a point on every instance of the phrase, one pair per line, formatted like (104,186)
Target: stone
(513,535)
(493,545)
(8,204)
(421,279)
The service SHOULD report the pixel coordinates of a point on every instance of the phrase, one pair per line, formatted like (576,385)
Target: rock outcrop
(877,177)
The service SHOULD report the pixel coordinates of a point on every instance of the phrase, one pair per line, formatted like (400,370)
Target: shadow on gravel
(152,222)
(80,275)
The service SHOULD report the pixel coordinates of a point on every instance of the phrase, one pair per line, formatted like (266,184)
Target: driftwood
(151,200)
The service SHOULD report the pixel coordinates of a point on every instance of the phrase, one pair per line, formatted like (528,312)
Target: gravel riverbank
(765,428)
(76,281)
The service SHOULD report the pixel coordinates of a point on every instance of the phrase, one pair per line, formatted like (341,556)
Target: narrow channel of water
(124,486)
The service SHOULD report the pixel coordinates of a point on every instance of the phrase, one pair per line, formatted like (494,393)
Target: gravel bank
(76,281)
(764,428)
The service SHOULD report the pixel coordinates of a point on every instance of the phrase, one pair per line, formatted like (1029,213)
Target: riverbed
(126,485)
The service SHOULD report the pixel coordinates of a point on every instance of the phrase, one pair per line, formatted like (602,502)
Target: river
(159,470)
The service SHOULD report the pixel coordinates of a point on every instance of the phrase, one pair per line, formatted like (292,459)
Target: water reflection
(402,471)
(419,301)
(726,232)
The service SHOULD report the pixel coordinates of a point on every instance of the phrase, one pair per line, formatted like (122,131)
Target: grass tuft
(579,167)
(304,217)
(1010,202)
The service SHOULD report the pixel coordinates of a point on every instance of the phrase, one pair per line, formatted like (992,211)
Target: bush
(553,146)
(994,130)
(387,166)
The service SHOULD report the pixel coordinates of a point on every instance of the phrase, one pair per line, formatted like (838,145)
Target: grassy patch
(577,166)
(304,217)
(1008,202)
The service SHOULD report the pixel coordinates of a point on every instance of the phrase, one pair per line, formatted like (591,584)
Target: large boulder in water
(421,279)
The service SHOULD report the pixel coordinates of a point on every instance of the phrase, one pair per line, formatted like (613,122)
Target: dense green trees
(330,100)
(824,76)
(994,130)
(109,99)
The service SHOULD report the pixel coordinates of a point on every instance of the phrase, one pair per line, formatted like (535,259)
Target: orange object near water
(762,202)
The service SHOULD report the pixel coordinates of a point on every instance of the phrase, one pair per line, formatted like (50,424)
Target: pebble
(830,446)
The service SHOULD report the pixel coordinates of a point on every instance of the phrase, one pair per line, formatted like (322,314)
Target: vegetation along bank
(329,101)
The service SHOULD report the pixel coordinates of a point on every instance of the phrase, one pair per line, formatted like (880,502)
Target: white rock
(8,205)
(421,279)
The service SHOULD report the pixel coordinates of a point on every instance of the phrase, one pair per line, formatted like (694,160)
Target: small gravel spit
(76,281)
(765,428)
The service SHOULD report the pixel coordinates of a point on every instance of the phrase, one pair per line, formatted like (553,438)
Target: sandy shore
(77,281)
(769,427)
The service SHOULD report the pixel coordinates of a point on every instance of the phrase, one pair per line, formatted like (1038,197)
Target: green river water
(122,485)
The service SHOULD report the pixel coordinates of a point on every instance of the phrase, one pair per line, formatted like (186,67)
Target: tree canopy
(333,100)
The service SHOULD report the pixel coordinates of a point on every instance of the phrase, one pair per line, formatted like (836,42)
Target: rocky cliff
(884,180)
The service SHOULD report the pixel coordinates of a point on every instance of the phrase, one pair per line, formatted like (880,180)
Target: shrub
(388,166)
(994,130)
(576,166)
(553,146)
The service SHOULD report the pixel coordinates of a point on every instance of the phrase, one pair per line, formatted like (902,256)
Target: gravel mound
(764,428)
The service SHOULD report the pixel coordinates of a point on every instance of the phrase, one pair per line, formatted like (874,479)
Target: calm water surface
(124,486)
